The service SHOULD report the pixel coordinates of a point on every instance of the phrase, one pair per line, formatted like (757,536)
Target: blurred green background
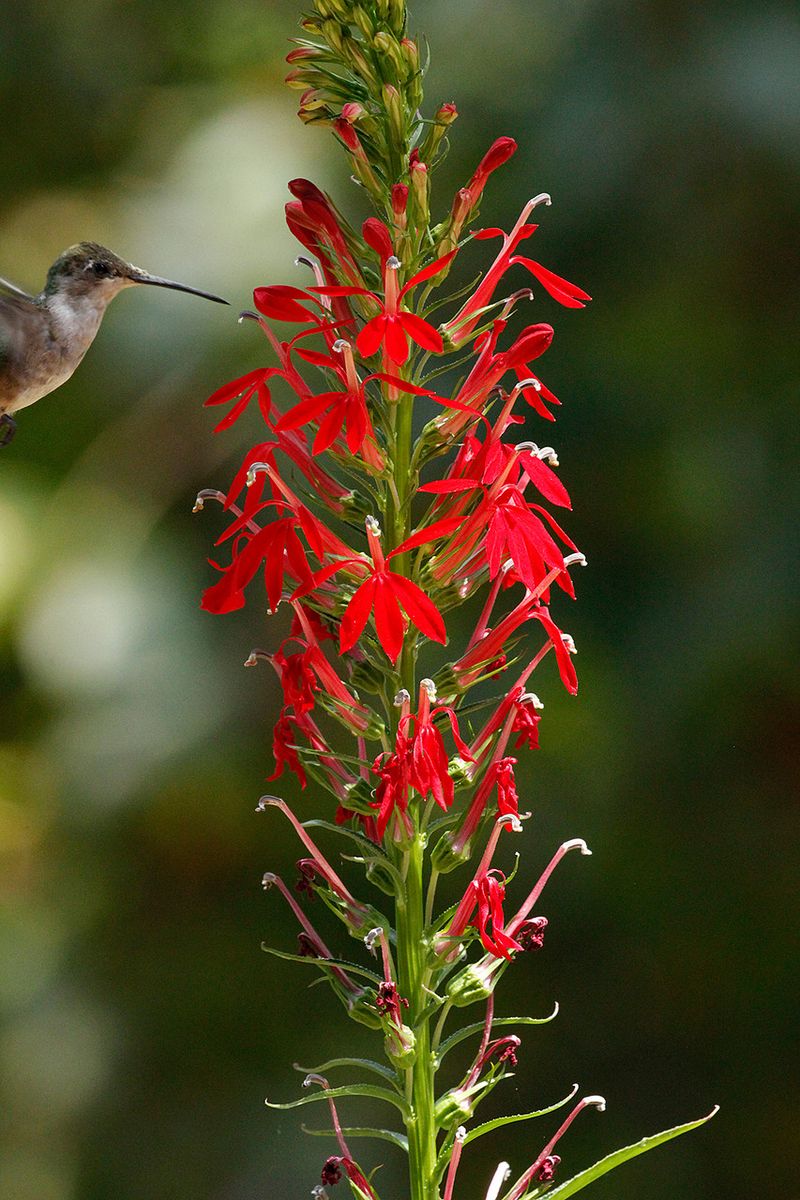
(142,1027)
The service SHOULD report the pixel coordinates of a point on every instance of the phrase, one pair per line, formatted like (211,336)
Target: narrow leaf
(488,1126)
(352,1089)
(365,1064)
(343,964)
(462,1034)
(584,1178)
(385,1135)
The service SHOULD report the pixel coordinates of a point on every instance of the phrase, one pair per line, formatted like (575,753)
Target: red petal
(440,486)
(230,391)
(402,384)
(356,614)
(433,268)
(429,534)
(565,668)
(378,237)
(396,341)
(316,357)
(530,344)
(562,290)
(281,303)
(371,336)
(420,608)
(389,624)
(545,480)
(329,429)
(306,410)
(422,332)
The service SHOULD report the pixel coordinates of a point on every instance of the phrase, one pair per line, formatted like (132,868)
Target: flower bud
(360,797)
(472,984)
(362,20)
(397,16)
(368,677)
(362,1009)
(420,188)
(446,114)
(400,1044)
(334,35)
(359,64)
(390,56)
(393,104)
(444,858)
(453,1108)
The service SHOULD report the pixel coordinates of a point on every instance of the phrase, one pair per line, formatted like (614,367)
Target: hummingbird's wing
(16,313)
(15,291)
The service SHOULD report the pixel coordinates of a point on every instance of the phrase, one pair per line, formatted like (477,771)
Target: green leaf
(366,1064)
(384,1135)
(488,1126)
(351,1089)
(366,845)
(584,1178)
(351,968)
(462,1034)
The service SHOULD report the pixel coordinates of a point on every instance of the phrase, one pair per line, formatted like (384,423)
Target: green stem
(411,960)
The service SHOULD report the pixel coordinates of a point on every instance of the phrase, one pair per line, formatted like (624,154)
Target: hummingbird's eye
(100,269)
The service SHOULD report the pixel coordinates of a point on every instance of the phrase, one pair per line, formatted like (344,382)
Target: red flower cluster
(329,463)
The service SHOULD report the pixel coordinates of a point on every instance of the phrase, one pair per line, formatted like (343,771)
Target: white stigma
(498,1179)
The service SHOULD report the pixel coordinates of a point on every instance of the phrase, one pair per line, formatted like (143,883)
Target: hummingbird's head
(89,269)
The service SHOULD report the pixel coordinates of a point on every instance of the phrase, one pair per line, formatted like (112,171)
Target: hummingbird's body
(44,338)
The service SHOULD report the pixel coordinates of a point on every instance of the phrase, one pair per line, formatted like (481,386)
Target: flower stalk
(369,533)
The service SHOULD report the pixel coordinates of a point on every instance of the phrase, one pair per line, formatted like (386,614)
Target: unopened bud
(420,187)
(453,1108)
(400,1045)
(446,114)
(392,102)
(444,858)
(472,984)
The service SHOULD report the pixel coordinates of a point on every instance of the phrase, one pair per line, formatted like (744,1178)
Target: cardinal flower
(393,326)
(385,595)
(429,762)
(489,921)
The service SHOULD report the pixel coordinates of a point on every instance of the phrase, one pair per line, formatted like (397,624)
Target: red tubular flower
(507,795)
(498,153)
(284,738)
(391,794)
(394,326)
(428,769)
(242,391)
(490,893)
(278,548)
(386,595)
(461,325)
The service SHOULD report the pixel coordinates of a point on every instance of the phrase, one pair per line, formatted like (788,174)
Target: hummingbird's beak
(137,276)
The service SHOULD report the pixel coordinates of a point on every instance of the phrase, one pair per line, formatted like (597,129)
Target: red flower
(391,794)
(342,410)
(386,595)
(489,921)
(242,391)
(526,722)
(283,747)
(507,797)
(393,326)
(429,762)
(498,153)
(279,548)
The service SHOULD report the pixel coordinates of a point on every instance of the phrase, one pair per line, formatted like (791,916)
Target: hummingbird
(43,338)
